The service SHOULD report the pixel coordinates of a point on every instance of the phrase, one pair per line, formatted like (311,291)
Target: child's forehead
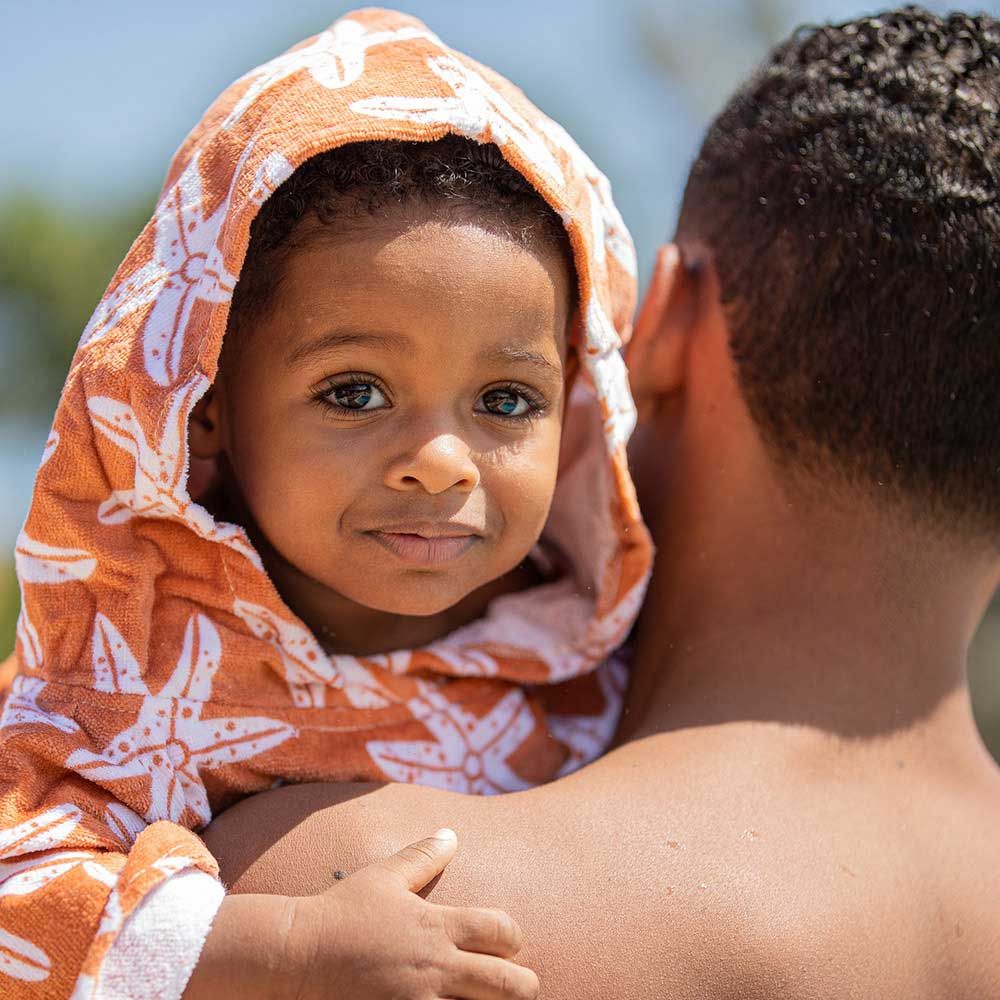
(414,281)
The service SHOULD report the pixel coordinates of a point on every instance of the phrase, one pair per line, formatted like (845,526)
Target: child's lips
(425,548)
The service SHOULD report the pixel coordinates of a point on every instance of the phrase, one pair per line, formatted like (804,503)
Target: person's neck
(767,608)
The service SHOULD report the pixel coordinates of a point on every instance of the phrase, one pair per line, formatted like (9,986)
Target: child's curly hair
(354,184)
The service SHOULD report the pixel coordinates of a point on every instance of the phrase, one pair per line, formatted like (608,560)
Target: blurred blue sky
(97,95)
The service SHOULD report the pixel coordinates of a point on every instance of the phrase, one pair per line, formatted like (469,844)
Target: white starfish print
(22,708)
(467,753)
(170,743)
(37,562)
(44,832)
(335,58)
(19,957)
(477,111)
(27,636)
(160,483)
(125,824)
(307,668)
(40,563)
(187,265)
(589,736)
(24,877)
(608,227)
(465,660)
(111,918)
(51,444)
(609,376)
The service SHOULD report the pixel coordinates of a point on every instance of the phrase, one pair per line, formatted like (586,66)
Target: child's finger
(491,932)
(417,863)
(483,977)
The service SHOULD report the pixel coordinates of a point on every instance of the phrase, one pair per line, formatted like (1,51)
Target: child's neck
(342,626)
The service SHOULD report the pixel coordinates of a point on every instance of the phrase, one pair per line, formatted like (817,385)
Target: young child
(355,591)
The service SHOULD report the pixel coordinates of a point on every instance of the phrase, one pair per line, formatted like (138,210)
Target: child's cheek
(523,478)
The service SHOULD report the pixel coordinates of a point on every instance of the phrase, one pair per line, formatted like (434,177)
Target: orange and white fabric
(160,676)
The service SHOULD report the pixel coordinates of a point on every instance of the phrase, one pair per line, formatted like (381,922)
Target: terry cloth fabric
(160,676)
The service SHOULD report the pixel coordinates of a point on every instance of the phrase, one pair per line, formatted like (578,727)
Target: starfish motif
(22,708)
(40,563)
(307,668)
(335,59)
(589,736)
(170,743)
(608,227)
(51,443)
(125,824)
(465,660)
(160,479)
(44,832)
(609,376)
(37,562)
(467,753)
(186,265)
(477,111)
(19,957)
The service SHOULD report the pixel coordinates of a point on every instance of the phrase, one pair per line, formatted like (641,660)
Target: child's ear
(655,354)
(205,435)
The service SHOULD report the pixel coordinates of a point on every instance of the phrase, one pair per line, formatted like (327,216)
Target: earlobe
(205,437)
(656,353)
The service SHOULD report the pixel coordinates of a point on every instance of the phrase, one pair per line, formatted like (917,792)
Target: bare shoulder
(709,875)
(610,903)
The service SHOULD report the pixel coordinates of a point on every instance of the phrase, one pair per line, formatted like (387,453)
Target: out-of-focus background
(97,96)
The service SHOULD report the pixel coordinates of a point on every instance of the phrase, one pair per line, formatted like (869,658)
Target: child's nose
(441,463)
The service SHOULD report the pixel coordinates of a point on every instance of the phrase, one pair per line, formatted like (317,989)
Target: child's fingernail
(445,834)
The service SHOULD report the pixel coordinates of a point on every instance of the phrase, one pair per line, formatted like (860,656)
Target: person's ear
(655,355)
(205,432)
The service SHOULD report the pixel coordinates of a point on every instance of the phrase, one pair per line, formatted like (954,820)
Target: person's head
(846,201)
(389,400)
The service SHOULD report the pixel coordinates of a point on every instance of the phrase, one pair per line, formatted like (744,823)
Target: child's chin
(420,606)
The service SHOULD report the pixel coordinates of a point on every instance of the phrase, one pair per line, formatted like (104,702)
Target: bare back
(746,860)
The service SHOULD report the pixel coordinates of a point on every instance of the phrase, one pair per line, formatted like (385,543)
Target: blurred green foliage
(9,602)
(55,263)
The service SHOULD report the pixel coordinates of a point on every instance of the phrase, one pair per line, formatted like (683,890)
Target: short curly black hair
(353,184)
(848,194)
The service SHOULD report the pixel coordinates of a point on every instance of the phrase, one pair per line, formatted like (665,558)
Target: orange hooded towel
(160,676)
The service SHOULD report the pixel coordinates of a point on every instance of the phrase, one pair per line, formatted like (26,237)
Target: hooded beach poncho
(160,677)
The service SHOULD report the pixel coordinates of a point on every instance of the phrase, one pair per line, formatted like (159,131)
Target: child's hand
(371,937)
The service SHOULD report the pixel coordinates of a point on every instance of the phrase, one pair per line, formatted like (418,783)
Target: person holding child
(798,803)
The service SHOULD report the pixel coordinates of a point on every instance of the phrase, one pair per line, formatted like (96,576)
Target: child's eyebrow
(331,341)
(533,358)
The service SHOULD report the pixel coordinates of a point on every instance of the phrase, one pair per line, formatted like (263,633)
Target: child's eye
(355,396)
(510,402)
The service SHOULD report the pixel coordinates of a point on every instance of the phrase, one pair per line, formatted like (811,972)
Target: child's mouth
(421,550)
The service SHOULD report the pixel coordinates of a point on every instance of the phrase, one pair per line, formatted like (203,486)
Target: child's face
(393,423)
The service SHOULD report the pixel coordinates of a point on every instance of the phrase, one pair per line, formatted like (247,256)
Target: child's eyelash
(321,395)
(537,403)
